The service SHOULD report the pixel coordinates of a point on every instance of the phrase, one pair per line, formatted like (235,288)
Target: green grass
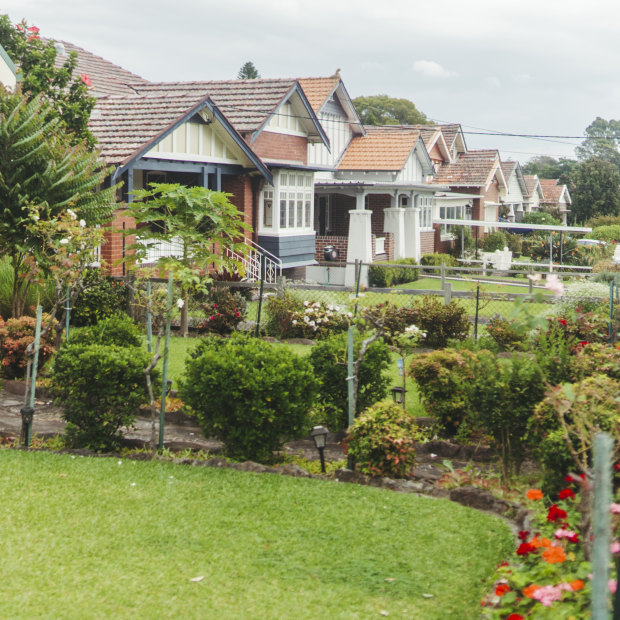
(90,538)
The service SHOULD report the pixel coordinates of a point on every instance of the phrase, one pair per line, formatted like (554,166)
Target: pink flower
(546,595)
(33,29)
(563,533)
(85,79)
(614,547)
(554,285)
(612,584)
(615,509)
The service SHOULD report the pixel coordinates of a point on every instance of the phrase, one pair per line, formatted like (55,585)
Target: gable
(8,72)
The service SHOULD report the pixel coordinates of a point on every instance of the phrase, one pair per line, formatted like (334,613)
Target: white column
(359,245)
(411,227)
(394,222)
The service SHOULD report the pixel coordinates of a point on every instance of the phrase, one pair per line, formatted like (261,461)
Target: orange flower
(530,590)
(554,555)
(540,542)
(576,585)
(534,494)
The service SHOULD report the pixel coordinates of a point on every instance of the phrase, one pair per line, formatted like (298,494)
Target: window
(426,211)
(293,193)
(403,200)
(450,213)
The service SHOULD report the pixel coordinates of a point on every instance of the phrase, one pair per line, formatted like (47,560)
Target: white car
(591,242)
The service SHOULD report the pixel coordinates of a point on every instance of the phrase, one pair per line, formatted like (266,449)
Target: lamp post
(398,395)
(319,434)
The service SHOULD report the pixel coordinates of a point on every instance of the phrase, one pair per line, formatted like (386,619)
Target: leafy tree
(384,110)
(602,142)
(595,189)
(248,72)
(36,58)
(42,177)
(206,224)
(550,168)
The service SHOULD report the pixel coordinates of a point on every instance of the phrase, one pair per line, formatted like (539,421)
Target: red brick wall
(112,247)
(340,243)
(281,146)
(376,204)
(427,242)
(241,189)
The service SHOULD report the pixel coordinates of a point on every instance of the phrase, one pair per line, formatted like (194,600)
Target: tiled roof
(122,125)
(551,190)
(449,133)
(382,148)
(317,90)
(531,180)
(508,167)
(106,77)
(471,169)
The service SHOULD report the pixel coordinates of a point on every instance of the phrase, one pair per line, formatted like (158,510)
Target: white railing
(161,249)
(251,262)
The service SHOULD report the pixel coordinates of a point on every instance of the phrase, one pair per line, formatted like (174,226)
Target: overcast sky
(544,67)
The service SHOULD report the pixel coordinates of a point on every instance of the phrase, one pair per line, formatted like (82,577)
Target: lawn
(110,538)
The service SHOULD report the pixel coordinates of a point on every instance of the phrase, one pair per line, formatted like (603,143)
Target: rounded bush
(249,394)
(439,321)
(224,310)
(118,330)
(101,298)
(100,387)
(329,362)
(494,241)
(436,260)
(382,441)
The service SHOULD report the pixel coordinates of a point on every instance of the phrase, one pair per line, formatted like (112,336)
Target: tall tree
(384,110)
(248,72)
(602,142)
(595,189)
(67,93)
(546,167)
(42,175)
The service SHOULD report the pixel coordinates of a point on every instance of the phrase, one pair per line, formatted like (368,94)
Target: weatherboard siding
(291,249)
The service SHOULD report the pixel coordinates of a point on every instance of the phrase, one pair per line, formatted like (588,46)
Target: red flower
(85,79)
(19,27)
(574,538)
(616,466)
(515,617)
(525,549)
(501,589)
(523,534)
(33,29)
(556,514)
(583,343)
(562,321)
(215,305)
(566,493)
(32,37)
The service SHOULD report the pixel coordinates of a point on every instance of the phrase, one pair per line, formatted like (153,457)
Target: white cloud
(493,81)
(430,68)
(522,78)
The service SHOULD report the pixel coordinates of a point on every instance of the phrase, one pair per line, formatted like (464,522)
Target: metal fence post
(601,521)
(611,312)
(67,313)
(149,320)
(164,378)
(476,316)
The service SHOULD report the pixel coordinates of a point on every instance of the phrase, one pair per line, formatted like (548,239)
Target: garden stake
(260,295)
(149,322)
(67,313)
(611,312)
(551,252)
(164,378)
(28,412)
(603,449)
(350,386)
(477,306)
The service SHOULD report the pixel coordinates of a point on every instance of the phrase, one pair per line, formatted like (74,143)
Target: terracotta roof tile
(508,167)
(382,148)
(531,180)
(551,190)
(317,90)
(107,78)
(471,169)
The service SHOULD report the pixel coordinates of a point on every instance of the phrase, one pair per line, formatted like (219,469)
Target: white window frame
(292,198)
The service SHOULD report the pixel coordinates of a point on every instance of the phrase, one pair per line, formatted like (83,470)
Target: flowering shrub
(583,295)
(395,319)
(318,320)
(440,322)
(223,311)
(15,336)
(591,359)
(382,441)
(572,254)
(548,577)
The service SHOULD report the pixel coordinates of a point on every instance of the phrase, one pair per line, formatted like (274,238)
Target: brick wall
(427,242)
(114,241)
(241,189)
(340,243)
(389,246)
(281,146)
(376,204)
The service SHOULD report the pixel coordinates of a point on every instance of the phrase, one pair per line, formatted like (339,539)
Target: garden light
(319,434)
(398,394)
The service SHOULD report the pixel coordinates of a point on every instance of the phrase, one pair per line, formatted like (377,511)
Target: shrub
(382,441)
(381,276)
(436,260)
(395,319)
(442,377)
(568,250)
(541,217)
(280,310)
(15,336)
(101,298)
(224,310)
(249,394)
(494,241)
(553,350)
(603,220)
(461,236)
(441,322)
(506,334)
(101,387)
(502,397)
(593,359)
(329,362)
(514,242)
(606,271)
(118,330)
(583,295)
(609,234)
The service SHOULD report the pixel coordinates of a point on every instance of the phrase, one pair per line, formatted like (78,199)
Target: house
(478,177)
(534,195)
(513,197)
(556,198)
(8,72)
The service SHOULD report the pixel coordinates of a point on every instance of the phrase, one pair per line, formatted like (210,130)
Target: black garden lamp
(398,394)
(319,434)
